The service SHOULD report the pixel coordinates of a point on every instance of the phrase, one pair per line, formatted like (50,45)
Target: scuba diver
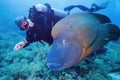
(40,21)
(38,25)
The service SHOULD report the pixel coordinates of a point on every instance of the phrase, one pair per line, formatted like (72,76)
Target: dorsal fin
(102,18)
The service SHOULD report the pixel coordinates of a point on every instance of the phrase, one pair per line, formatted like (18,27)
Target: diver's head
(21,22)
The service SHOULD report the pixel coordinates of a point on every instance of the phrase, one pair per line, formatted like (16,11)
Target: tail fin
(114,31)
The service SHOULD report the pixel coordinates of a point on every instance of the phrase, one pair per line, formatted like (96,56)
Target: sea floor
(30,63)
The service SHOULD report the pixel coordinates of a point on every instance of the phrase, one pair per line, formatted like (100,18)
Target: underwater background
(30,63)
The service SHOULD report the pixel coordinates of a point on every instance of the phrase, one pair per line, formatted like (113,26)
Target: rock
(99,61)
(114,76)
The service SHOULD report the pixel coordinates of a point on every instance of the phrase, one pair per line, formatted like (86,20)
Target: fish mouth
(54,66)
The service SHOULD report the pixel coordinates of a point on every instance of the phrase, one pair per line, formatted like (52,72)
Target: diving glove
(20,45)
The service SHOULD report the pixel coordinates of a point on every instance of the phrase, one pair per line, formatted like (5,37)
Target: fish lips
(54,66)
(63,54)
(54,63)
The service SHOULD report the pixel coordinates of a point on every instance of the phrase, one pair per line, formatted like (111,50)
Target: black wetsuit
(43,23)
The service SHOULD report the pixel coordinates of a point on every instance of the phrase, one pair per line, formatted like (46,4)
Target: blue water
(17,66)
(12,8)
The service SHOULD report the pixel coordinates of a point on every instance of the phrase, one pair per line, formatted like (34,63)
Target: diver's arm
(26,43)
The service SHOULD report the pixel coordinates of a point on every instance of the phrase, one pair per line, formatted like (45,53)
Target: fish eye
(64,42)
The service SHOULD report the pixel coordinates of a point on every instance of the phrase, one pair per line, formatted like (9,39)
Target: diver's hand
(19,45)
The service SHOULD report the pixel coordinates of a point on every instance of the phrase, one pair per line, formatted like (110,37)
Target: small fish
(78,35)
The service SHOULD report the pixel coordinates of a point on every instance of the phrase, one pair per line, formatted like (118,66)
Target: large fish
(78,35)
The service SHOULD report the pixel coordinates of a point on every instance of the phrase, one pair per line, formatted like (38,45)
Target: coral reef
(30,63)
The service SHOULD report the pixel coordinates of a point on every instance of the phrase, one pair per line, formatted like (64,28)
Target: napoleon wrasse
(78,35)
